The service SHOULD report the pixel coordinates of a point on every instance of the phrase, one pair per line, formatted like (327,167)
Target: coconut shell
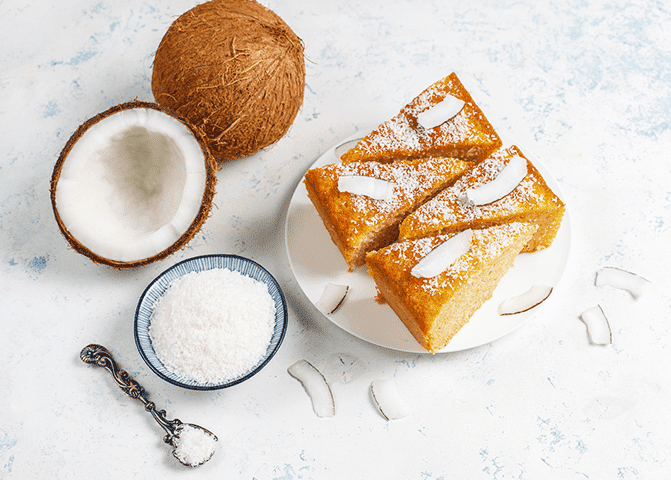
(236,71)
(203,212)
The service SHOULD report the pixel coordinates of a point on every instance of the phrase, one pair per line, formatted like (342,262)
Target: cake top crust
(424,294)
(413,179)
(445,209)
(468,134)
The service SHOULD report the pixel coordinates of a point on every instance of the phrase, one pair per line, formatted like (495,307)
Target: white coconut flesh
(132,184)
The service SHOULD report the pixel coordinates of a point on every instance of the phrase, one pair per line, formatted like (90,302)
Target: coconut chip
(505,182)
(388,399)
(316,387)
(332,298)
(444,255)
(622,279)
(598,328)
(372,187)
(441,112)
(525,301)
(342,368)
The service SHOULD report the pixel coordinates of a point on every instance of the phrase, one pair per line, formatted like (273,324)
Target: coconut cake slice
(434,309)
(530,201)
(359,223)
(467,135)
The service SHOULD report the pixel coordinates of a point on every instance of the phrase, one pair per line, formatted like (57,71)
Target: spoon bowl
(194,445)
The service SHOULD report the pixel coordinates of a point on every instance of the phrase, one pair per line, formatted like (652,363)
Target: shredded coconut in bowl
(212,326)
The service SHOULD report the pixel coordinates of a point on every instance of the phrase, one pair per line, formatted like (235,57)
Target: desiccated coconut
(212,326)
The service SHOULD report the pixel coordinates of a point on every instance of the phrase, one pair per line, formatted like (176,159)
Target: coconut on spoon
(193,444)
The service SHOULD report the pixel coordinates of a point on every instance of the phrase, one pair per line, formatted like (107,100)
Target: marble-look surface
(585,85)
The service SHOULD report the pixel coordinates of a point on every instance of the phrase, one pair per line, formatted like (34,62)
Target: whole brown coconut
(235,71)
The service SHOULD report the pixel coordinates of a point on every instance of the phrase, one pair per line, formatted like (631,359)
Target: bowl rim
(256,368)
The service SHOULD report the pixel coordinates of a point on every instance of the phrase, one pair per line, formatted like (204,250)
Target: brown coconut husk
(236,71)
(203,212)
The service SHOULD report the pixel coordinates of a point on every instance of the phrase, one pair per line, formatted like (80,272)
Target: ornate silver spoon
(205,440)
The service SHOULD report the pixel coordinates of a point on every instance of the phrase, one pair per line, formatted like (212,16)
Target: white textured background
(585,85)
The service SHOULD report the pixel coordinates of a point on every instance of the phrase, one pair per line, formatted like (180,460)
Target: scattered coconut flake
(316,387)
(332,298)
(598,328)
(372,187)
(388,399)
(194,445)
(440,112)
(505,182)
(525,301)
(622,279)
(343,368)
(444,255)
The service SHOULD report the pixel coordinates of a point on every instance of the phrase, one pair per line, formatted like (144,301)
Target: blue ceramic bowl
(198,264)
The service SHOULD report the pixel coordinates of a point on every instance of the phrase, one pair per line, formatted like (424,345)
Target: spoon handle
(100,356)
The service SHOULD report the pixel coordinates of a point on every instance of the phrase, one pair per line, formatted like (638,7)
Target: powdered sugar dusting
(413,180)
(404,136)
(445,208)
(486,244)
(212,326)
(403,132)
(394,134)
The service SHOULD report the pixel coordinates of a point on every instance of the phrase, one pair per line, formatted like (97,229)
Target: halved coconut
(133,185)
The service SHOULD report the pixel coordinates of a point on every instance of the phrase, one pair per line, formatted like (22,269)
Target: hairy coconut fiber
(236,71)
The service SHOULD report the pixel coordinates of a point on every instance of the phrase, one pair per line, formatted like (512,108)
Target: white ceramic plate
(316,261)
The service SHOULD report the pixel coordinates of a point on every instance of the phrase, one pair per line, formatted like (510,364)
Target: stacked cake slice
(433,177)
(435,307)
(531,200)
(358,222)
(467,134)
